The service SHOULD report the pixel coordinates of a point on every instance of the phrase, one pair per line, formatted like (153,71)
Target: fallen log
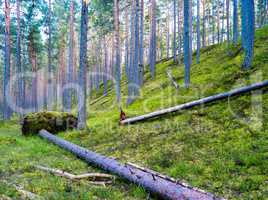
(155,184)
(199,102)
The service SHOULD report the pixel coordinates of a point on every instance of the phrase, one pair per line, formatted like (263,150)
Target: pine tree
(235,22)
(7,65)
(20,95)
(152,54)
(248,28)
(141,51)
(117,51)
(70,68)
(187,40)
(198,32)
(174,31)
(82,116)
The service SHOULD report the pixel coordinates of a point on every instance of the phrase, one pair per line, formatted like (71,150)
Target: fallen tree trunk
(155,184)
(199,102)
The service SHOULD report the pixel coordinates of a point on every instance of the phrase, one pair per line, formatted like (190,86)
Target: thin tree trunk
(179,32)
(204,24)
(20,97)
(168,37)
(187,46)
(222,26)
(117,51)
(105,78)
(136,50)
(153,39)
(228,19)
(141,62)
(198,32)
(174,31)
(235,23)
(82,98)
(127,44)
(6,77)
(50,93)
(218,21)
(70,69)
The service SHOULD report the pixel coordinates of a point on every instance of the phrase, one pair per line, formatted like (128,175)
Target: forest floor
(221,147)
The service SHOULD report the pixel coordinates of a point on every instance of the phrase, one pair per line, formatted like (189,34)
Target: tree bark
(82,98)
(187,41)
(248,29)
(117,51)
(70,69)
(50,92)
(152,54)
(7,67)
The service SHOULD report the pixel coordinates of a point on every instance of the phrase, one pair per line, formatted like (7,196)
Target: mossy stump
(53,122)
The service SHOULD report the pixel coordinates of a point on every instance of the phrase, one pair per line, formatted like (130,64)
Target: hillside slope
(221,147)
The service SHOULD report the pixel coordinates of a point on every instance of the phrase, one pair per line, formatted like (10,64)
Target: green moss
(53,122)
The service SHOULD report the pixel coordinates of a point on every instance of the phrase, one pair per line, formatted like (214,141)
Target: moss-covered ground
(221,147)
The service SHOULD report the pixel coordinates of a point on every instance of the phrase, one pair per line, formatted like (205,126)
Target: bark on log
(199,102)
(156,185)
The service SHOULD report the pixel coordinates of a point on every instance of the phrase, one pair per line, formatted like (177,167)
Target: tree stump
(54,122)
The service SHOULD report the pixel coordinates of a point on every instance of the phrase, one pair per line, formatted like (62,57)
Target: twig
(93,176)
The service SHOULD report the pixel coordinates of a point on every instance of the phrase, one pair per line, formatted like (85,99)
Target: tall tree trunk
(131,54)
(198,32)
(168,35)
(50,92)
(117,51)
(228,19)
(191,30)
(222,25)
(153,39)
(82,113)
(179,32)
(187,46)
(6,77)
(33,58)
(248,28)
(141,51)
(218,21)
(174,31)
(70,68)
(127,44)
(204,24)
(20,97)
(105,77)
(235,22)
(136,50)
